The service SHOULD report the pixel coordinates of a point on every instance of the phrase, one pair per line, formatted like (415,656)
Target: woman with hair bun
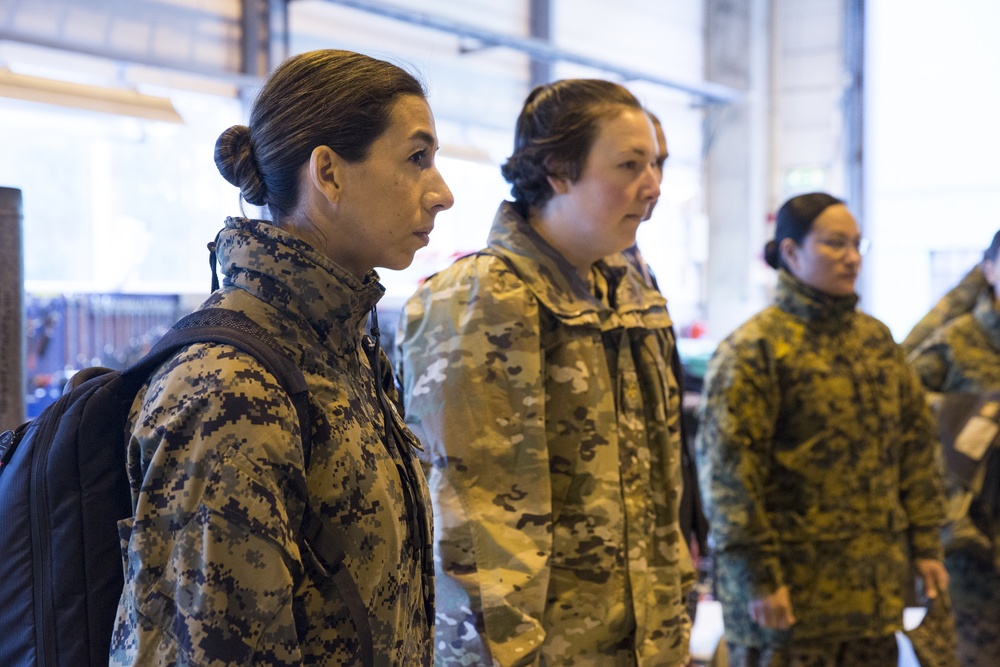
(339,150)
(817,460)
(538,375)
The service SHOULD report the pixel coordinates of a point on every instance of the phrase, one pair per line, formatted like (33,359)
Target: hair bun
(771,254)
(234,157)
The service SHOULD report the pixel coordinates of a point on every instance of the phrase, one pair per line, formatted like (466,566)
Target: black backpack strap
(330,553)
(230,327)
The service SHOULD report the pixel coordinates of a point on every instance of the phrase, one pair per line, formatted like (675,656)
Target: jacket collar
(290,275)
(818,308)
(561,289)
(985,312)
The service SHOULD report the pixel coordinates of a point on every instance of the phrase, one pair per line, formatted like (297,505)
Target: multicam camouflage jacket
(958,301)
(964,356)
(550,425)
(215,574)
(818,468)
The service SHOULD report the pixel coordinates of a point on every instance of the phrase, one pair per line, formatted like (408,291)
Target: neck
(540,220)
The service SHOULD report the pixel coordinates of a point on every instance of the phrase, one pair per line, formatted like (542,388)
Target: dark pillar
(541,28)
(11,310)
(854,111)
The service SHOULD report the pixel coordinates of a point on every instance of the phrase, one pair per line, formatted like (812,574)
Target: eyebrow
(425,136)
(637,151)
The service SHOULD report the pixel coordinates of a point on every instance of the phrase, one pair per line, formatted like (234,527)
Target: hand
(934,576)
(774,610)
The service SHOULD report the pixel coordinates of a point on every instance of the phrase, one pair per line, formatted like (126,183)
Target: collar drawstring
(417,512)
(377,368)
(213,264)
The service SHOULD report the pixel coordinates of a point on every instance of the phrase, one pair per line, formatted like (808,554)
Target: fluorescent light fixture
(82,96)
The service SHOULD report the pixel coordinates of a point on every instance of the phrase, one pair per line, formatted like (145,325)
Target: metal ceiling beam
(130,58)
(542,51)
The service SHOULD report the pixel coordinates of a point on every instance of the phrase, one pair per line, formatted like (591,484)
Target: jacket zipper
(40,547)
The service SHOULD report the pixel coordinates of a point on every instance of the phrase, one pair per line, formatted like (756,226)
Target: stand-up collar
(820,309)
(290,275)
(558,285)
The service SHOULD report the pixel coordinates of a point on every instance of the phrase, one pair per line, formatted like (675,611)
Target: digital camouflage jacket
(964,356)
(551,428)
(215,574)
(818,467)
(958,301)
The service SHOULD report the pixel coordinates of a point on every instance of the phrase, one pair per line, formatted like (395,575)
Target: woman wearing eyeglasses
(817,462)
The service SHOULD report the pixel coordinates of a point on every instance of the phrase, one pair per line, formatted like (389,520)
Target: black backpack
(64,487)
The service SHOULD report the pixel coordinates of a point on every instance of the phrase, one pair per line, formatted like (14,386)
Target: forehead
(626,130)
(409,116)
(836,219)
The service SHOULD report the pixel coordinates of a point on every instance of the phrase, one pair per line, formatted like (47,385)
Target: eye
(420,157)
(632,165)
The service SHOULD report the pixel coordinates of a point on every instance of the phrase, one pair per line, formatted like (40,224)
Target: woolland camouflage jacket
(819,469)
(964,356)
(551,431)
(215,574)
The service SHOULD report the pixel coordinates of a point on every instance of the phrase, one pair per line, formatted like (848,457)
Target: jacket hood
(561,289)
(290,275)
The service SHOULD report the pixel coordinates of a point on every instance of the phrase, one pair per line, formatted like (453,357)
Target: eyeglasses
(840,245)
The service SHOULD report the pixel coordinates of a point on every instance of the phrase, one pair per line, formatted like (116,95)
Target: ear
(789,251)
(559,184)
(326,173)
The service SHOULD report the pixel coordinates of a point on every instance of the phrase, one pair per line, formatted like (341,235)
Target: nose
(852,255)
(439,197)
(651,185)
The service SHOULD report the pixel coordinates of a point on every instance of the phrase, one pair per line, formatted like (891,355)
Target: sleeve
(959,300)
(210,554)
(930,362)
(920,477)
(471,370)
(739,411)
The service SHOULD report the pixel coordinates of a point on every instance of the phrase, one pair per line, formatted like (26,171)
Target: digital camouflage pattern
(551,430)
(964,356)
(818,468)
(958,301)
(214,573)
(862,652)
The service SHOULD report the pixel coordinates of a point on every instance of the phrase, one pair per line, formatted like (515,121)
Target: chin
(399,263)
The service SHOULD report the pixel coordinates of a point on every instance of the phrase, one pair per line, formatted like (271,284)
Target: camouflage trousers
(975,599)
(862,652)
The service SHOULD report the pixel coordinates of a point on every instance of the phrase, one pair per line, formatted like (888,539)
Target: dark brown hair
(329,97)
(993,250)
(555,131)
(795,220)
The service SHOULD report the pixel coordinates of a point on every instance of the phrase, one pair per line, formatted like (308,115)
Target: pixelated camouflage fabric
(214,572)
(958,301)
(550,425)
(964,356)
(818,468)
